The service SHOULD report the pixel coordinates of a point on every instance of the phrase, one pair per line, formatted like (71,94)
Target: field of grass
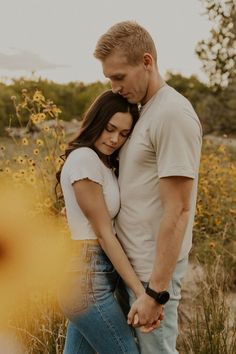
(34,234)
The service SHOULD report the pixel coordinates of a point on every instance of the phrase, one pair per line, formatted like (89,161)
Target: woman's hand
(146,314)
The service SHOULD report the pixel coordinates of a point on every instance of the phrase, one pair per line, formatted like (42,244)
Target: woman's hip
(90,278)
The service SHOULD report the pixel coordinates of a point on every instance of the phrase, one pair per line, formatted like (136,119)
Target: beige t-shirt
(166,141)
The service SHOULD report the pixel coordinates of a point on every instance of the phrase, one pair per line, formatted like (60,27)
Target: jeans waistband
(78,245)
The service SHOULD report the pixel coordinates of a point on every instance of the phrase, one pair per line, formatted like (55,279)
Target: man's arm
(175,193)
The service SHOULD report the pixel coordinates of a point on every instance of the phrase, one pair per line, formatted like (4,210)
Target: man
(158,180)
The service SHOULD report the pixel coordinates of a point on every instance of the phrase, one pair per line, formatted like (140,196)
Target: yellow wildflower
(21,160)
(46,128)
(35,118)
(42,116)
(31,162)
(2,148)
(32,170)
(56,110)
(59,161)
(39,142)
(22,172)
(212,245)
(25,141)
(36,151)
(38,96)
(47,158)
(31,179)
(8,170)
(63,147)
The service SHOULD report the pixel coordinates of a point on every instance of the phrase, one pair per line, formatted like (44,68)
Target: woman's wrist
(139,290)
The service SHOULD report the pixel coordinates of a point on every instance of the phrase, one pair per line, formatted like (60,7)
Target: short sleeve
(178,144)
(84,163)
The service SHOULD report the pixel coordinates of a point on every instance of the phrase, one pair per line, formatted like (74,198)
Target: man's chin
(132,100)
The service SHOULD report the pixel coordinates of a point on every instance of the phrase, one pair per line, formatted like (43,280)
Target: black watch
(161,298)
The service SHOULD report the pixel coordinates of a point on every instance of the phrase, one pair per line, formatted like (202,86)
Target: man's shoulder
(171,102)
(172,109)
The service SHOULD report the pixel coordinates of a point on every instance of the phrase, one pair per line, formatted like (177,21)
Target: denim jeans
(96,321)
(163,339)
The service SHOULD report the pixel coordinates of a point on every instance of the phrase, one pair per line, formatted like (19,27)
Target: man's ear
(147,60)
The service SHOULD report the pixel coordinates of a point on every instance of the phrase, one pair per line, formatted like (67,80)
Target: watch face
(163,297)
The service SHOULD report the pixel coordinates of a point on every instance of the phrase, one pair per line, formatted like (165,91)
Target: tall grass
(211,327)
(39,325)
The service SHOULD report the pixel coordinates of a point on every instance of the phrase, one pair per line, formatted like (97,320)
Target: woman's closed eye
(109,129)
(125,135)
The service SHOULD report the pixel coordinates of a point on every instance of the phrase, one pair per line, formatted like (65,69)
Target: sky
(55,39)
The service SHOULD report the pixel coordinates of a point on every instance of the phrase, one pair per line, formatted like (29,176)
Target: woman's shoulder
(82,153)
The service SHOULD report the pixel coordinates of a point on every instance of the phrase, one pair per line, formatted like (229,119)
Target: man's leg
(163,339)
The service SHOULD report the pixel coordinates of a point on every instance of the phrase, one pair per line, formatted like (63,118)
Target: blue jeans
(96,321)
(163,339)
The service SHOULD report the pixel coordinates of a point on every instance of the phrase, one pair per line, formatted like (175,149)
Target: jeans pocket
(73,296)
(102,264)
(103,282)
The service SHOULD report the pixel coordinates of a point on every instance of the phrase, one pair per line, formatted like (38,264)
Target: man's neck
(156,83)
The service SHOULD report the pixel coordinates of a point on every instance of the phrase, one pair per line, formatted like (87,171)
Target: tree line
(216,110)
(214,102)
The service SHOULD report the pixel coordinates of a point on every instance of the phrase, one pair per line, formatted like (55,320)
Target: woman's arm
(91,200)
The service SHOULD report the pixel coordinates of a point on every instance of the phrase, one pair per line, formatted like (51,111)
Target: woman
(91,194)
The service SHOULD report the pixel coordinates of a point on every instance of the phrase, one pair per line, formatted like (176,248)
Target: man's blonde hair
(129,38)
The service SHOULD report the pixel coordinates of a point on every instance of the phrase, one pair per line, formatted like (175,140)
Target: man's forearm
(168,245)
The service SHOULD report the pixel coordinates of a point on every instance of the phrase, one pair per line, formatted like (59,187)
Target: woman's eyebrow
(114,126)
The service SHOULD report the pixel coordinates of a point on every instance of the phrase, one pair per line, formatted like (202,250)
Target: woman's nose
(115,137)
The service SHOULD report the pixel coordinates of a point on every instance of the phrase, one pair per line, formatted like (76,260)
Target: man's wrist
(158,286)
(161,297)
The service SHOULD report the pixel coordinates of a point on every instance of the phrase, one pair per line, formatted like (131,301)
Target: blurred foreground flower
(33,250)
(9,344)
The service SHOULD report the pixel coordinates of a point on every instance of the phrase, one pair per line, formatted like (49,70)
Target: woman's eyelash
(109,129)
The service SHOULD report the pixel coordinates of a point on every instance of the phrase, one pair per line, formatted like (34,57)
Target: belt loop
(88,255)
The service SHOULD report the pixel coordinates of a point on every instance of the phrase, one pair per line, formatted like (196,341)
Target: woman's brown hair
(95,121)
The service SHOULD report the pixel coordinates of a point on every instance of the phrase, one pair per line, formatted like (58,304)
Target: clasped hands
(146,314)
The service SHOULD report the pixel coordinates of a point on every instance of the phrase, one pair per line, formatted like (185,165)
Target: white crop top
(84,163)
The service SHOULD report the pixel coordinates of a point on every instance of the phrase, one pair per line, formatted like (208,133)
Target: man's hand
(146,313)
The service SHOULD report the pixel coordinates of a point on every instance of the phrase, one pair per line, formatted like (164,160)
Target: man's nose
(116,88)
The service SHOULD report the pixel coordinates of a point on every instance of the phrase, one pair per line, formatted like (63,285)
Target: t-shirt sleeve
(84,163)
(178,144)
